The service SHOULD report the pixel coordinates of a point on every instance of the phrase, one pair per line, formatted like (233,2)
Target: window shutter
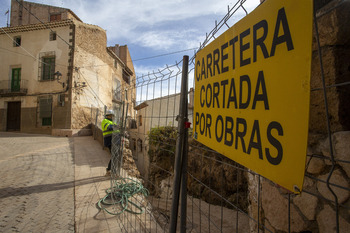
(45,107)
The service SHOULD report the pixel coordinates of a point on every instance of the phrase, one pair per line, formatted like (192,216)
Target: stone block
(307,205)
(127,153)
(126,143)
(333,27)
(308,183)
(62,132)
(253,200)
(341,143)
(338,179)
(275,207)
(315,165)
(324,149)
(336,71)
(82,132)
(166,187)
(326,221)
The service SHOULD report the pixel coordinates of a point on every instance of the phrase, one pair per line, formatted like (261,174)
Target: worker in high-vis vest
(107,130)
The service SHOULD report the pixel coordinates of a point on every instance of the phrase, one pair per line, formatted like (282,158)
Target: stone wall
(96,73)
(92,79)
(222,175)
(314,210)
(334,37)
(81,118)
(93,40)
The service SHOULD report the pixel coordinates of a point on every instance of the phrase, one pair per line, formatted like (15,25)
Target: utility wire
(146,58)
(165,54)
(29,54)
(9,51)
(15,52)
(18,44)
(91,88)
(43,23)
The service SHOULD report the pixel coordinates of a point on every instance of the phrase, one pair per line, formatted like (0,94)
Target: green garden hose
(119,195)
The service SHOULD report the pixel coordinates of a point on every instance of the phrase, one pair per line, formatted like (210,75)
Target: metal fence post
(97,112)
(183,196)
(179,146)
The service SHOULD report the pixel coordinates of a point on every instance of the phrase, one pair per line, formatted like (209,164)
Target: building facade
(55,69)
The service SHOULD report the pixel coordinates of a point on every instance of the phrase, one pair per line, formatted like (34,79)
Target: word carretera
(224,93)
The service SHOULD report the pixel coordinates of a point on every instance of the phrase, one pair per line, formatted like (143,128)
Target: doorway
(13,116)
(16,80)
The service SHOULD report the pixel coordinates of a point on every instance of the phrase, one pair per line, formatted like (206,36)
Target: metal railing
(8,89)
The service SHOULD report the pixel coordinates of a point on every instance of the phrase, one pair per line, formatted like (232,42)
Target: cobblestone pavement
(37,183)
(90,187)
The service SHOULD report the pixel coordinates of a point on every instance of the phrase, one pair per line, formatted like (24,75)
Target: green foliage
(159,134)
(162,144)
(162,141)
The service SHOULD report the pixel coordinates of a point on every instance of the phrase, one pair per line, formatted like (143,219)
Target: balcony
(9,89)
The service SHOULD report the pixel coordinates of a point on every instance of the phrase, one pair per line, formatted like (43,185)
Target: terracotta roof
(39,26)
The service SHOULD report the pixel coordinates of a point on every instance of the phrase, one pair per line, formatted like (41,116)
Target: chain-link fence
(220,195)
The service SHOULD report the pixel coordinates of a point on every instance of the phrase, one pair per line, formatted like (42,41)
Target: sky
(150,28)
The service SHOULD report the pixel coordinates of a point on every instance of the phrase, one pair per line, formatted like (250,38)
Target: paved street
(51,184)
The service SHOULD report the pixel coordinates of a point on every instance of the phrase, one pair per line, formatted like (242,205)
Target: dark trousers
(108,144)
(109,165)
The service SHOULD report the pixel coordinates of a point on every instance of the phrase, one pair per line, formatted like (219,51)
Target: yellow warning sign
(252,91)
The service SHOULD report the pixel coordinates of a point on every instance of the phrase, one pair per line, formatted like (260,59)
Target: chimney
(115,49)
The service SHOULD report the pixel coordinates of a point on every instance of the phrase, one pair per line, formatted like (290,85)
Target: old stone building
(55,69)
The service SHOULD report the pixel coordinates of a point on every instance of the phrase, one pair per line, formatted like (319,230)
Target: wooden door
(13,116)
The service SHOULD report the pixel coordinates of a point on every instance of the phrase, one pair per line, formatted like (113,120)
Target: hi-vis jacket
(107,127)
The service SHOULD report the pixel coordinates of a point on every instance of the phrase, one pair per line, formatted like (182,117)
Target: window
(133,124)
(46,121)
(115,63)
(17,41)
(140,120)
(16,80)
(48,68)
(134,144)
(139,143)
(126,77)
(53,36)
(61,99)
(117,90)
(126,94)
(55,17)
(45,111)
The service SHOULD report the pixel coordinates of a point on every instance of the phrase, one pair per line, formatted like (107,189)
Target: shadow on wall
(97,134)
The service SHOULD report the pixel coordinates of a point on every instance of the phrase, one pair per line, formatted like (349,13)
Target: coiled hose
(120,193)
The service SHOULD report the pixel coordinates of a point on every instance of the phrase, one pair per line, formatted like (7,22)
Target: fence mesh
(223,196)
